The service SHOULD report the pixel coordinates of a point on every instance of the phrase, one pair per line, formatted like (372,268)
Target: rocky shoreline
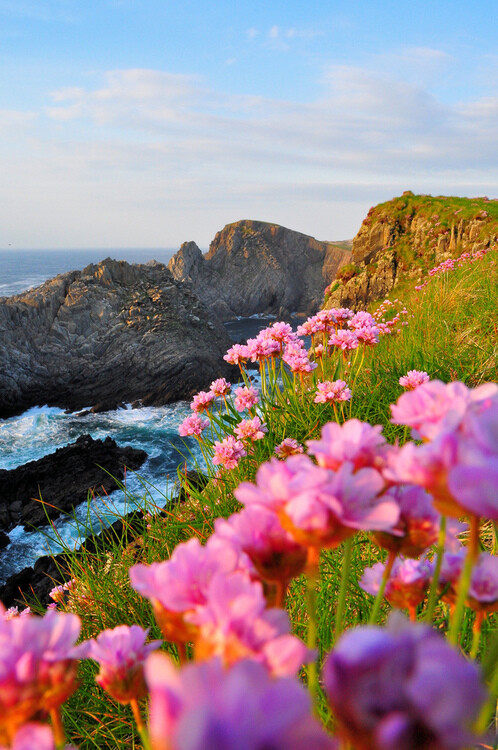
(34,494)
(110,334)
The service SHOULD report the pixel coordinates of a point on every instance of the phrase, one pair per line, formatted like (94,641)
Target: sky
(147,123)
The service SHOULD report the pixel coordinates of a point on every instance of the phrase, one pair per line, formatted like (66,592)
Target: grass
(451,334)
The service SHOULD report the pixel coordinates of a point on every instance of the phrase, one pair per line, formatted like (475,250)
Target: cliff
(109,334)
(257,267)
(405,237)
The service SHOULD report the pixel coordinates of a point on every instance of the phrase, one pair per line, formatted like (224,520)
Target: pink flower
(296,357)
(258,532)
(341,313)
(407,584)
(344,339)
(288,447)
(179,585)
(10,613)
(235,624)
(418,525)
(238,354)
(202,401)
(228,453)
(251,429)
(121,654)
(207,706)
(220,387)
(32,737)
(436,407)
(193,425)
(320,507)
(37,666)
(245,398)
(282,332)
(413,379)
(331,391)
(354,441)
(362,319)
(368,335)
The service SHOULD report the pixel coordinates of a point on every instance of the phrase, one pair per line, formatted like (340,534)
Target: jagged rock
(407,236)
(63,480)
(256,267)
(109,334)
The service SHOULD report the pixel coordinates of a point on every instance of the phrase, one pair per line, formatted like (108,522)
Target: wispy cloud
(166,151)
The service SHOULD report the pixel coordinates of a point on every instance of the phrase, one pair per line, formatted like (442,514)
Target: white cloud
(146,156)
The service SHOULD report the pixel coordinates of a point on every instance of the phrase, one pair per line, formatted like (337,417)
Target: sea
(41,430)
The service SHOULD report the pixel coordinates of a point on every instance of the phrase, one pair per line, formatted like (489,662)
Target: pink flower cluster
(458,462)
(329,392)
(228,452)
(209,595)
(413,379)
(451,263)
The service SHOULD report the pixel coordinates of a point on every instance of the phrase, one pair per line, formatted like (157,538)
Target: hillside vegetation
(407,236)
(334,573)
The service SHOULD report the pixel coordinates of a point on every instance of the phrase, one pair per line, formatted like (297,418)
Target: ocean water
(41,430)
(26,269)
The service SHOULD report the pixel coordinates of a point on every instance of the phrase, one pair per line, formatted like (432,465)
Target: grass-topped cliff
(333,562)
(405,237)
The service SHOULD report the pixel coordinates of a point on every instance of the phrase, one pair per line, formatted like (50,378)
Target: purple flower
(418,525)
(402,687)
(206,706)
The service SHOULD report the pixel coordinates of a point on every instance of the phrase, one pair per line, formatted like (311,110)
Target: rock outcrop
(407,236)
(63,480)
(255,267)
(109,334)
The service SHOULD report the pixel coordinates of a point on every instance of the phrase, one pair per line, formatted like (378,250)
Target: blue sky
(146,123)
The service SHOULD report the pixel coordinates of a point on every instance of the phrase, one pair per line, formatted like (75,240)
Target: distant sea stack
(256,267)
(110,334)
(407,236)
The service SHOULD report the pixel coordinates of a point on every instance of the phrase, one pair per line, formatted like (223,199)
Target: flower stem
(464,582)
(312,573)
(57,728)
(431,604)
(341,599)
(142,730)
(476,633)
(380,593)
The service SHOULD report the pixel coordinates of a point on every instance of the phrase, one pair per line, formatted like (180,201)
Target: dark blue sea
(41,430)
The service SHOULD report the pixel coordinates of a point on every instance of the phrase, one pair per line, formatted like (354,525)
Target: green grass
(451,334)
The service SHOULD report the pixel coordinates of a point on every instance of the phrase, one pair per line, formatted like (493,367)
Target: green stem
(464,582)
(385,577)
(341,599)
(431,604)
(489,707)
(476,634)
(141,728)
(312,578)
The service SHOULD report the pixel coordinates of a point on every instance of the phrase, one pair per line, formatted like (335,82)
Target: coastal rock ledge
(256,267)
(110,334)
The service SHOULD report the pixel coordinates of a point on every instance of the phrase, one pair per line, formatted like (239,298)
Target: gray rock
(109,334)
(255,267)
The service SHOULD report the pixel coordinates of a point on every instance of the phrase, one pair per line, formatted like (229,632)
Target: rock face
(407,236)
(255,267)
(109,334)
(63,480)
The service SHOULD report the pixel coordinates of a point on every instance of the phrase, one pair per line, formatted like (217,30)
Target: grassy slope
(452,335)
